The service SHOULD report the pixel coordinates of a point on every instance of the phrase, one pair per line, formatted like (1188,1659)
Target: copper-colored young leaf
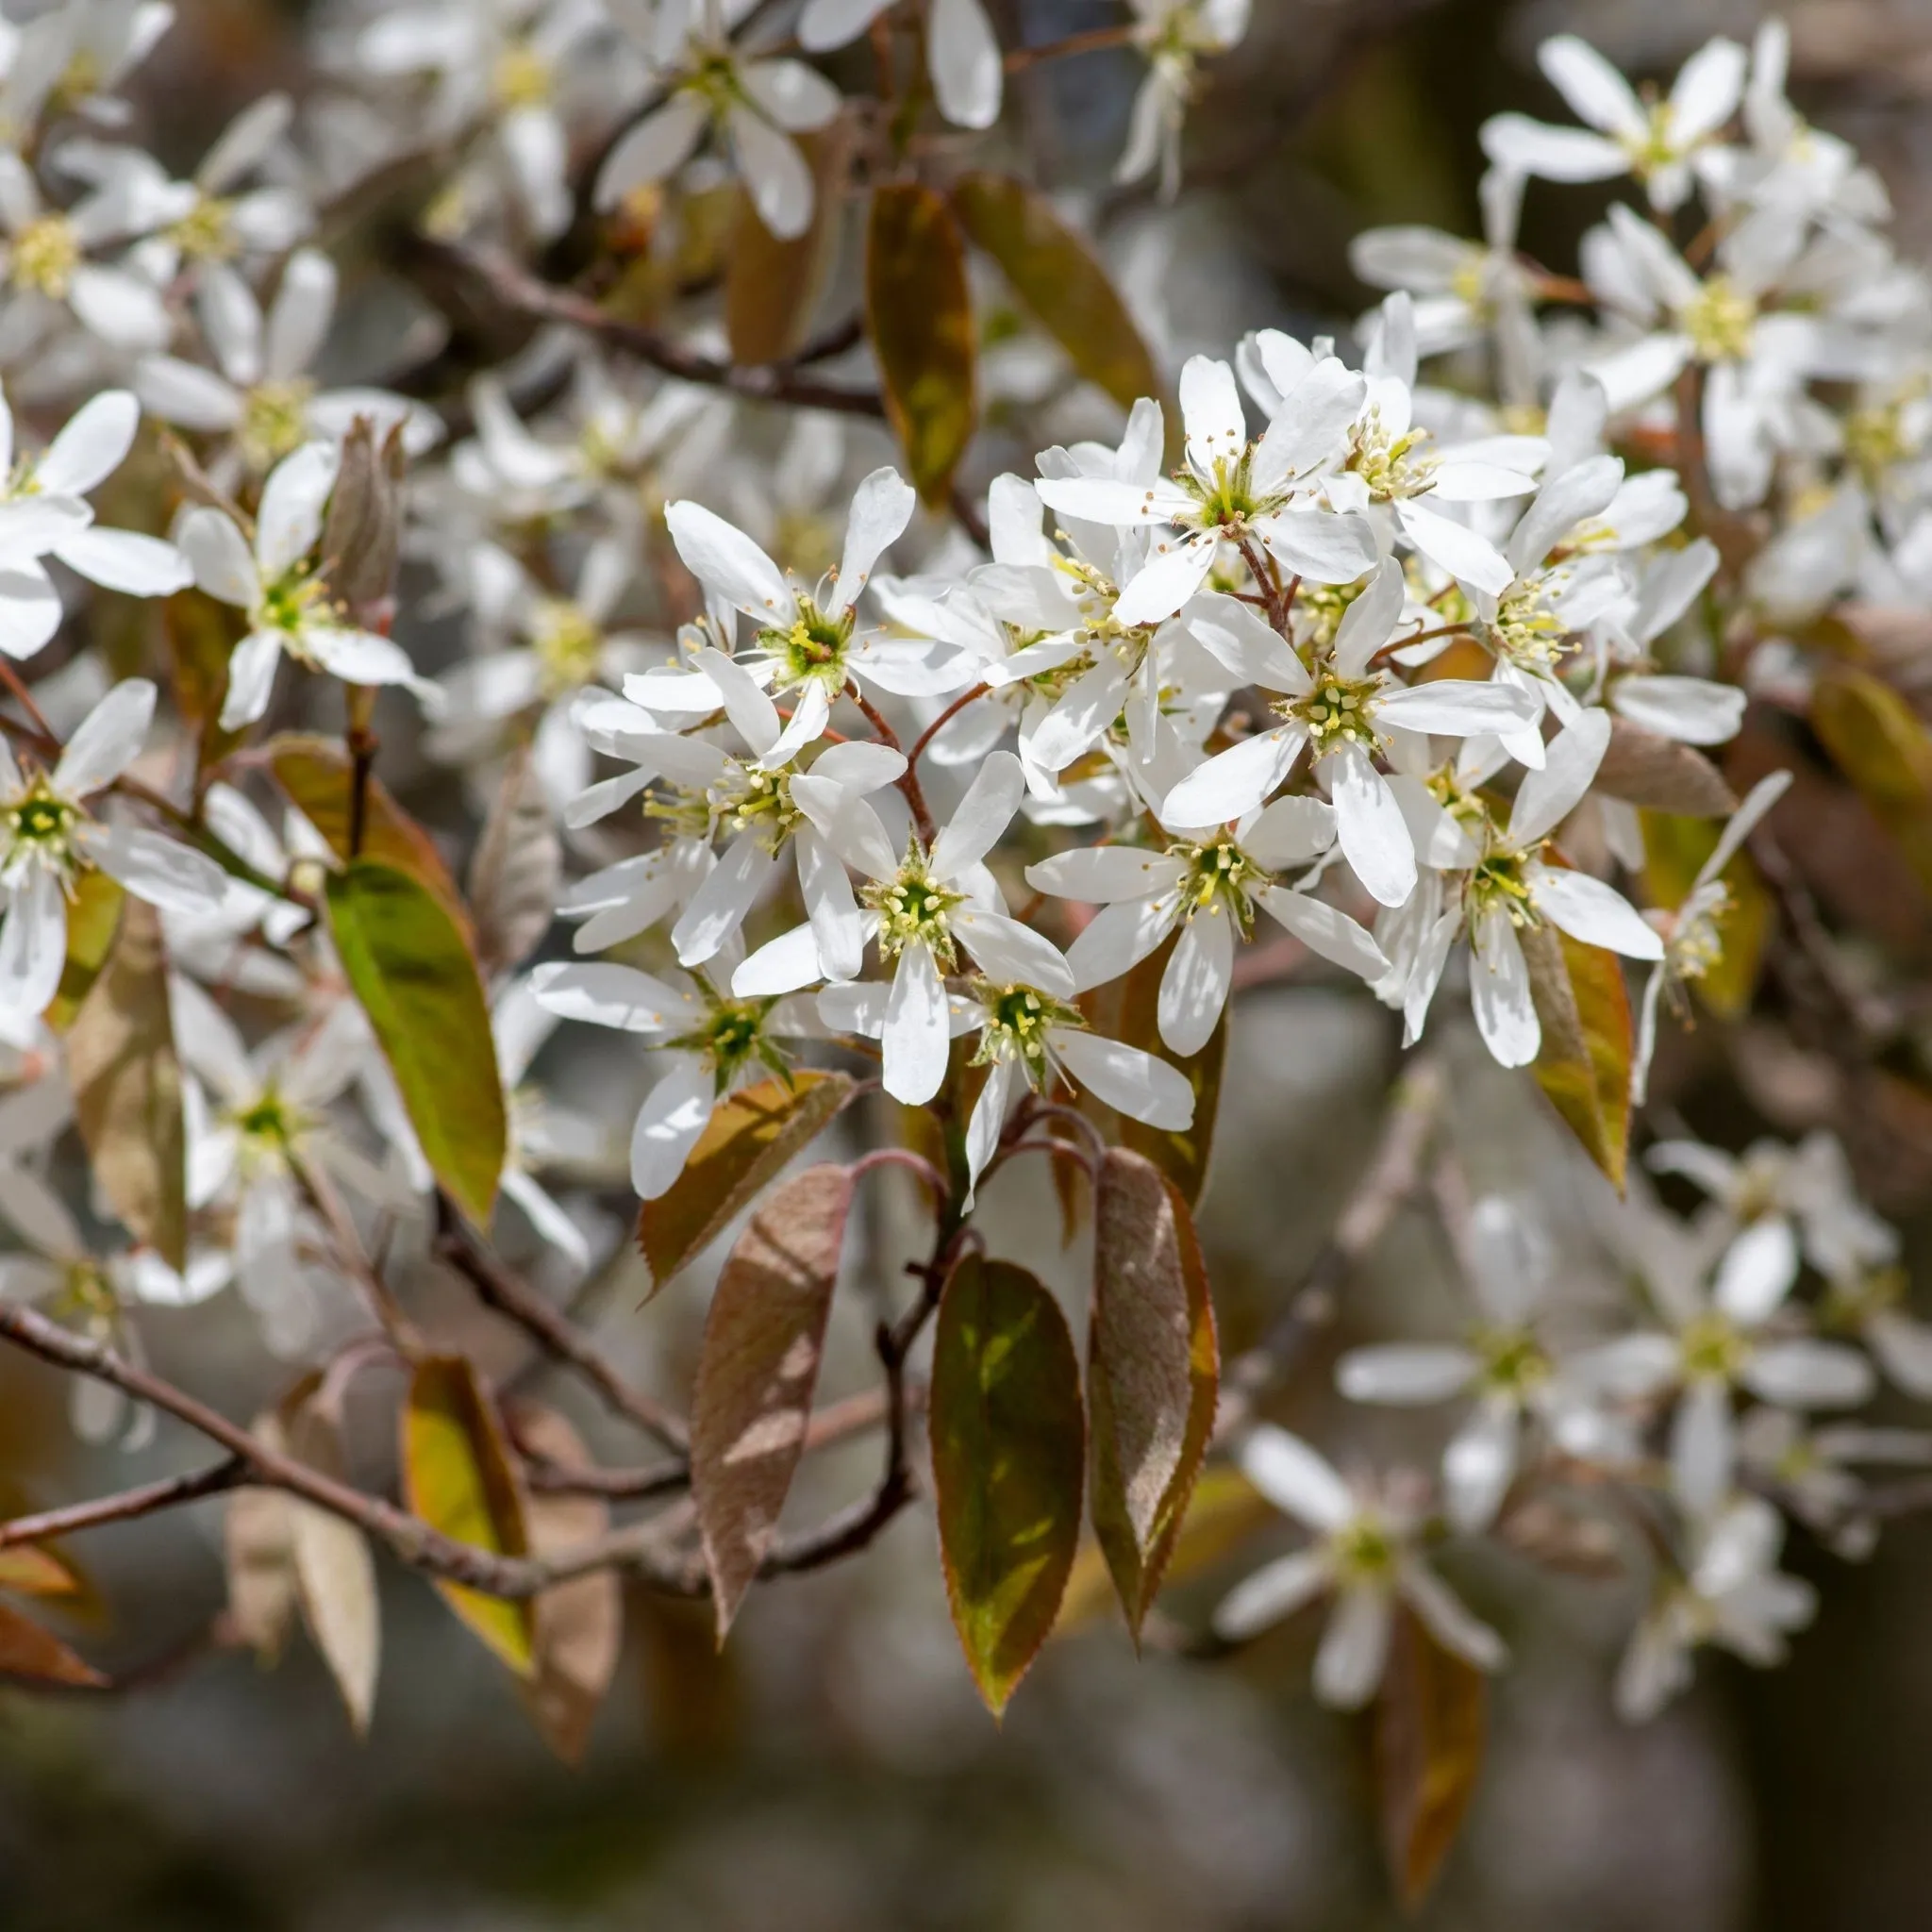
(1009,1448)
(1429,1729)
(319,777)
(579,1625)
(411,966)
(749,1137)
(1673,850)
(258,1550)
(34,1571)
(38,1656)
(1058,276)
(457,1476)
(1584,1063)
(918,311)
(128,1086)
(93,917)
(1645,768)
(335,1571)
(514,874)
(1885,748)
(771,286)
(757,1373)
(1153,1372)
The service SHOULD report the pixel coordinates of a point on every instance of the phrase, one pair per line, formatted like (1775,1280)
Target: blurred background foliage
(834,1770)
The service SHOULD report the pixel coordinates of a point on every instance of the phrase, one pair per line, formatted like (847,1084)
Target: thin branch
(944,718)
(552,1330)
(125,1505)
(1091,42)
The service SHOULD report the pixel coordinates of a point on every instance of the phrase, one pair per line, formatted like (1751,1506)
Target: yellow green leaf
(1584,1064)
(127,1085)
(1884,747)
(1673,850)
(1008,1446)
(459,1478)
(750,1135)
(411,966)
(1153,1372)
(758,1371)
(1058,276)
(1429,1731)
(918,311)
(93,917)
(318,777)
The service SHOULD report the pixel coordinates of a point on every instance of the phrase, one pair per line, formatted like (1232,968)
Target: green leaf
(411,966)
(1128,1009)
(38,1656)
(459,1478)
(920,315)
(1883,746)
(1153,1372)
(1584,1063)
(1429,1732)
(318,777)
(93,917)
(1008,1446)
(128,1086)
(750,1135)
(757,1369)
(1674,851)
(579,1625)
(1058,276)
(771,286)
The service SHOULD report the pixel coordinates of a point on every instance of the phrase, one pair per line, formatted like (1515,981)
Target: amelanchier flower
(1731,1593)
(49,837)
(278,581)
(755,105)
(1175,35)
(1662,142)
(1234,491)
(924,907)
(43,512)
(1342,710)
(1735,1335)
(1206,884)
(1507,1368)
(705,1045)
(1365,1557)
(807,644)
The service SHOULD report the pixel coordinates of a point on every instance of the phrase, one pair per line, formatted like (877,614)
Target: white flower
(260,395)
(703,1046)
(757,104)
(1365,1558)
(278,583)
(1173,34)
(43,511)
(1661,144)
(1507,1368)
(1233,489)
(48,837)
(1810,1469)
(962,54)
(1732,1594)
(1207,884)
(1735,1335)
(1344,711)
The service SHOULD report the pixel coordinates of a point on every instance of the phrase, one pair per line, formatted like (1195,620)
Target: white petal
(1757,1272)
(963,58)
(673,1115)
(1479,1465)
(982,816)
(126,561)
(1693,710)
(1703,1446)
(1233,782)
(1547,797)
(1468,558)
(1194,987)
(1104,874)
(1014,954)
(1595,90)
(1141,1085)
(92,446)
(797,97)
(1449,1620)
(728,563)
(1499,993)
(1458,707)
(847,824)
(1406,1372)
(1591,911)
(789,963)
(1369,825)
(107,739)
(1324,930)
(218,554)
(775,171)
(983,1131)
(33,944)
(289,524)
(656,147)
(1170,577)
(1297,1478)
(251,678)
(612,995)
(1551,154)
(1276,1591)
(1118,937)
(1354,1648)
(718,907)
(881,508)
(360,656)
(158,870)
(1321,545)
(917,1035)
(1290,832)
(751,711)
(1805,1373)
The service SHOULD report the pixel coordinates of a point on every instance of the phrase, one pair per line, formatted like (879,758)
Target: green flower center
(1719,320)
(1229,502)
(1017,1018)
(1711,1350)
(207,232)
(521,77)
(1876,442)
(1363,1552)
(1220,877)
(1337,712)
(811,650)
(569,647)
(1526,629)
(913,905)
(1497,885)
(290,603)
(750,800)
(274,420)
(45,253)
(1513,1360)
(1393,467)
